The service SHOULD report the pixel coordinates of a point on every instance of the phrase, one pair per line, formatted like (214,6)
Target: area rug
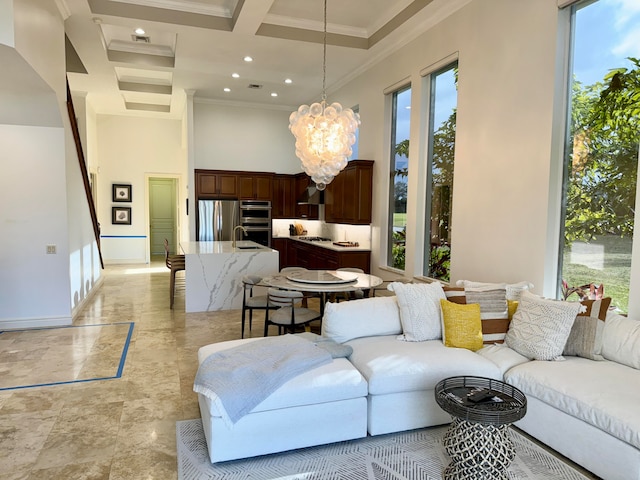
(412,455)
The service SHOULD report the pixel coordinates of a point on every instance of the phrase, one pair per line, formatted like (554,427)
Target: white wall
(506,53)
(35,286)
(36,147)
(243,138)
(129,148)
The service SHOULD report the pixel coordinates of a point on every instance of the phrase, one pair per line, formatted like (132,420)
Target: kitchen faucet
(234,234)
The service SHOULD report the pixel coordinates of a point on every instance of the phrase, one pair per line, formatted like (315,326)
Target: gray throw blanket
(236,380)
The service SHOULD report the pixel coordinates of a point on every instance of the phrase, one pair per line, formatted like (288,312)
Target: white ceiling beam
(249,15)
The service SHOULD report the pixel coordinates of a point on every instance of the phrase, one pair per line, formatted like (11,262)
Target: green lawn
(605,260)
(399,219)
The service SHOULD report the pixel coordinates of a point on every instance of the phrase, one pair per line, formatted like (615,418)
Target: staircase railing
(83,169)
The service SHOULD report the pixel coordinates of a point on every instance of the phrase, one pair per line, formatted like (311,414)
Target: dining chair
(288,315)
(356,294)
(382,288)
(174,263)
(251,302)
(307,295)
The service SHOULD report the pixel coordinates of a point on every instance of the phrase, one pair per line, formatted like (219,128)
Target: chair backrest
(283,298)
(248,282)
(351,269)
(166,253)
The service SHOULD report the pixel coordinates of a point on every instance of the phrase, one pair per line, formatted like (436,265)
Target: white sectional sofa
(585,409)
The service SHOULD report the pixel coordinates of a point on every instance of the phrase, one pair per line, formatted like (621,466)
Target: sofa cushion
(345,321)
(513,290)
(621,340)
(540,327)
(338,380)
(390,366)
(585,338)
(494,328)
(503,356)
(419,310)
(603,394)
(461,325)
(595,308)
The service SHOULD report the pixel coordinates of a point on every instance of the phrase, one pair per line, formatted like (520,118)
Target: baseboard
(75,310)
(27,323)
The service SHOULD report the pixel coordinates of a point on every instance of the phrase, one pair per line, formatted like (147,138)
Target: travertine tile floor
(120,429)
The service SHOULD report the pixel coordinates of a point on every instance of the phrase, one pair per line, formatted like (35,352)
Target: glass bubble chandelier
(324,133)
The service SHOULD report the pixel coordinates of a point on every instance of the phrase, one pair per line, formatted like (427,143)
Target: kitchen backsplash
(336,232)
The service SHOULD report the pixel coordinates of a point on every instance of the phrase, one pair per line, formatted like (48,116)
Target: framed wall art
(121,193)
(121,215)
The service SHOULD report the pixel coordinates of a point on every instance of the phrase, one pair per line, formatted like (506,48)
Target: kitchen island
(214,271)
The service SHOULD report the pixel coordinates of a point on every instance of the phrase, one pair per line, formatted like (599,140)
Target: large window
(601,159)
(401,112)
(442,137)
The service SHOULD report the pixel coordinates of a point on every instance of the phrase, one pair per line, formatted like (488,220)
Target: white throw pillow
(514,290)
(368,317)
(540,327)
(621,341)
(420,311)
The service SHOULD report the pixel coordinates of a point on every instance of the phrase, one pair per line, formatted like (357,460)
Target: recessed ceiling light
(248,59)
(274,94)
(227,89)
(140,31)
(235,75)
(288,80)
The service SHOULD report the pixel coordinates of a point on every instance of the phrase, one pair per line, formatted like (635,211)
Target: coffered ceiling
(195,46)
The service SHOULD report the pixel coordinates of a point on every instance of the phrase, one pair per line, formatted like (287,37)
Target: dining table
(323,282)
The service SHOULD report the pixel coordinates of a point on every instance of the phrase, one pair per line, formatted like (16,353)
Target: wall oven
(255,217)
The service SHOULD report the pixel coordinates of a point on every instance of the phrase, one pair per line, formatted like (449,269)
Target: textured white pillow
(621,341)
(540,327)
(368,317)
(420,311)
(514,290)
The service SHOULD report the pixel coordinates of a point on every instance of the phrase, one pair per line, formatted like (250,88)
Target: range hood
(311,196)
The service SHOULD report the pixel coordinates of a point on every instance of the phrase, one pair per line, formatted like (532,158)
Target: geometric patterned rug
(412,455)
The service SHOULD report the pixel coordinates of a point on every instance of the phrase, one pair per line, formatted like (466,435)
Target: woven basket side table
(478,440)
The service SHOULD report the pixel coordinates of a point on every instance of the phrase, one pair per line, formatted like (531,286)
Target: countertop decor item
(324,133)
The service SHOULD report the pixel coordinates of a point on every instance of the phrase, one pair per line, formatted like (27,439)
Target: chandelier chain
(324,55)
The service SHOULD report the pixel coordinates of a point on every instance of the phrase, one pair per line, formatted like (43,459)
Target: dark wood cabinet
(281,244)
(283,200)
(349,196)
(304,210)
(216,184)
(255,186)
(313,257)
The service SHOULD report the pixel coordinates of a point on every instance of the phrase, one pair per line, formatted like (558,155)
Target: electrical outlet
(51,249)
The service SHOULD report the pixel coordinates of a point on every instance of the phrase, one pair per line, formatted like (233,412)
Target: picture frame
(121,215)
(121,192)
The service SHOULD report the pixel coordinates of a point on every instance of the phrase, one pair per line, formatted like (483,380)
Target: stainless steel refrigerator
(217,219)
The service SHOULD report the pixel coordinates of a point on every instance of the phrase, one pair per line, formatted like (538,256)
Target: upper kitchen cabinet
(304,210)
(284,200)
(255,186)
(349,196)
(216,184)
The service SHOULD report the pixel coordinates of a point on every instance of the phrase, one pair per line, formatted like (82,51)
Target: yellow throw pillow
(512,305)
(461,325)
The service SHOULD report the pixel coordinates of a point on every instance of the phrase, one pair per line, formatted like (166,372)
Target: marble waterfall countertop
(214,271)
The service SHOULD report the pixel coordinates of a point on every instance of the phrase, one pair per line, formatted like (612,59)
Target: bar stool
(175,263)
